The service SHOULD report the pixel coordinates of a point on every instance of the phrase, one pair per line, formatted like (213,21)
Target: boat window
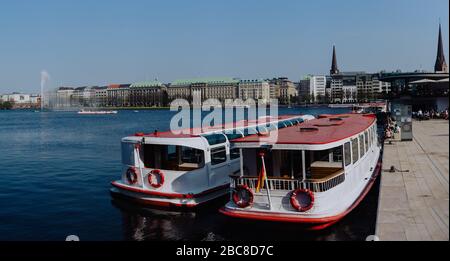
(127,153)
(324,164)
(355,154)
(288,123)
(361,145)
(262,129)
(290,166)
(336,154)
(369,132)
(235,153)
(172,157)
(250,131)
(233,136)
(218,155)
(281,125)
(215,139)
(271,127)
(366,140)
(347,154)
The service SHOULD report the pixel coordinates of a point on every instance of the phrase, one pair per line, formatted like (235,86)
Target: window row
(359,146)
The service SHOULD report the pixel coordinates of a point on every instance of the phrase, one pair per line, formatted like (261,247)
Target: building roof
(223,80)
(412,76)
(146,84)
(325,129)
(423,81)
(440,65)
(253,81)
(334,66)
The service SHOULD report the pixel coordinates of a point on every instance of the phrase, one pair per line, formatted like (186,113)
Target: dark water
(55,174)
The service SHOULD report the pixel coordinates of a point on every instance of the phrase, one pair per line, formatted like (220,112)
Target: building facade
(205,88)
(313,88)
(284,89)
(147,94)
(118,95)
(16,98)
(258,90)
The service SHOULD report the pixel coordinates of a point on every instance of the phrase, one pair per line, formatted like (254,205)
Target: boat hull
(169,200)
(308,222)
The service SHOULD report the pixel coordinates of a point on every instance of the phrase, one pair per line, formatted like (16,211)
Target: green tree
(6,105)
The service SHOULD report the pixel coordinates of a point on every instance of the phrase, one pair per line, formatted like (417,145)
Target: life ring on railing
(242,196)
(155,178)
(131,175)
(302,199)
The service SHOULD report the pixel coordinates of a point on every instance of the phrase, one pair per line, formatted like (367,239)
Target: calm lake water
(55,174)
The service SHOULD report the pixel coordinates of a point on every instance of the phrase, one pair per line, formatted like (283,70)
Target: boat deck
(414,205)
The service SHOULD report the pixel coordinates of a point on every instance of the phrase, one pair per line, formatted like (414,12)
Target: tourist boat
(185,170)
(86,112)
(314,173)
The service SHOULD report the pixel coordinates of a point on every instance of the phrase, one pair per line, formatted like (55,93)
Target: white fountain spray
(44,78)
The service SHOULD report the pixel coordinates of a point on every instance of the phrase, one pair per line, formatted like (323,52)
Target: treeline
(6,105)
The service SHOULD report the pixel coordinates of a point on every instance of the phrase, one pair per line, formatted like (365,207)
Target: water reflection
(144,223)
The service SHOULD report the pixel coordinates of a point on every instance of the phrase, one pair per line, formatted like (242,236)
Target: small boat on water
(314,174)
(89,112)
(186,170)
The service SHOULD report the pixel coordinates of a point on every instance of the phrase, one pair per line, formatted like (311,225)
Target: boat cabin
(313,173)
(173,167)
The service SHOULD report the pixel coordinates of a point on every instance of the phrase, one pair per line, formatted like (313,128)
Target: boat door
(218,162)
(219,169)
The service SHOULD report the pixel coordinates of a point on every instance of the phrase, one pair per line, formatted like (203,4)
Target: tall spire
(334,67)
(440,65)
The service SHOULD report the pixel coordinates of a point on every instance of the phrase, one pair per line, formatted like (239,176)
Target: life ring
(302,199)
(155,178)
(242,196)
(131,175)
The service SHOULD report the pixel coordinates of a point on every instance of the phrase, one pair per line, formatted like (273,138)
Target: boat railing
(321,185)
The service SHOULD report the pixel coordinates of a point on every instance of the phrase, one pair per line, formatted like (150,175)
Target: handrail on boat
(288,184)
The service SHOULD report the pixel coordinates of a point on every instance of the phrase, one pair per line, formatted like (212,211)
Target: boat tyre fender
(131,176)
(302,199)
(242,196)
(156,178)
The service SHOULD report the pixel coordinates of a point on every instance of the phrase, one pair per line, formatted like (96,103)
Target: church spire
(334,67)
(440,65)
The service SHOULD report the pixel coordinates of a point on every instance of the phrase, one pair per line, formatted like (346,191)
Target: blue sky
(84,42)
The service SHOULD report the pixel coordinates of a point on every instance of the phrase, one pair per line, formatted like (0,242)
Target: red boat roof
(195,132)
(325,129)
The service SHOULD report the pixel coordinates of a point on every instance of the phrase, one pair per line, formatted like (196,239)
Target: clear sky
(85,42)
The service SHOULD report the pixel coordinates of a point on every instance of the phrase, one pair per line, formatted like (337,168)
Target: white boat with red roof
(190,168)
(314,173)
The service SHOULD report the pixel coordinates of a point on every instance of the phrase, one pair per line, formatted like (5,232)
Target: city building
(64,97)
(35,99)
(352,87)
(99,96)
(205,88)
(283,89)
(118,95)
(258,90)
(16,98)
(440,65)
(21,100)
(313,88)
(421,89)
(148,94)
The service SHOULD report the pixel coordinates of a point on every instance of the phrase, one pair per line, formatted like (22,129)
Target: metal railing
(292,184)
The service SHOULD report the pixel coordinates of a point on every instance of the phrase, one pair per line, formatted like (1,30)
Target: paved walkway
(414,205)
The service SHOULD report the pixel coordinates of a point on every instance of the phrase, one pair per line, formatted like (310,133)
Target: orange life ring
(153,179)
(131,175)
(239,195)
(302,199)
